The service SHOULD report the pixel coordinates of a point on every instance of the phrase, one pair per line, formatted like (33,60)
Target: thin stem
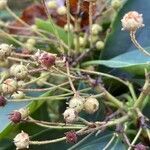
(135,139)
(90,23)
(21,60)
(131,88)
(101,74)
(70,81)
(135,42)
(145,92)
(84,121)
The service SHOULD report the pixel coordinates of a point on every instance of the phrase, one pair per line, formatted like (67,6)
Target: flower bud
(21,141)
(45,59)
(62,10)
(5,51)
(96,28)
(116,4)
(71,137)
(76,103)
(68,27)
(91,105)
(2,101)
(3,4)
(31,41)
(19,71)
(18,95)
(70,115)
(52,4)
(100,45)
(17,115)
(132,21)
(9,86)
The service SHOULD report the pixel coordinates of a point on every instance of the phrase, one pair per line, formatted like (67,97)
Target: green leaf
(101,142)
(52,28)
(6,127)
(134,62)
(118,42)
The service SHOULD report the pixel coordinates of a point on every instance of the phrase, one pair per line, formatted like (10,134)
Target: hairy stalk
(132,35)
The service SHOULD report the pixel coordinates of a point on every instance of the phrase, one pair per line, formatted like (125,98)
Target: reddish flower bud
(2,101)
(71,137)
(47,59)
(15,117)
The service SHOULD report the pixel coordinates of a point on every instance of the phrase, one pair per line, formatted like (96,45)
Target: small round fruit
(52,4)
(22,141)
(96,28)
(76,103)
(62,10)
(5,51)
(116,4)
(91,105)
(68,27)
(19,71)
(70,115)
(99,45)
(9,86)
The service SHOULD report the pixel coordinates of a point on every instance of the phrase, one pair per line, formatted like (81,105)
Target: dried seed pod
(91,105)
(19,71)
(70,115)
(132,21)
(76,103)
(9,86)
(21,140)
(5,51)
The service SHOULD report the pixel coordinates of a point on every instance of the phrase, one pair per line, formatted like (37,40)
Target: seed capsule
(91,105)
(21,140)
(9,86)
(132,21)
(70,115)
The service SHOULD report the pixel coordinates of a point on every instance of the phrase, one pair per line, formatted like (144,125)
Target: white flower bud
(19,71)
(62,10)
(31,41)
(100,45)
(21,140)
(91,105)
(18,95)
(77,103)
(9,86)
(5,51)
(70,115)
(67,27)
(132,21)
(3,4)
(96,28)
(116,4)
(52,4)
